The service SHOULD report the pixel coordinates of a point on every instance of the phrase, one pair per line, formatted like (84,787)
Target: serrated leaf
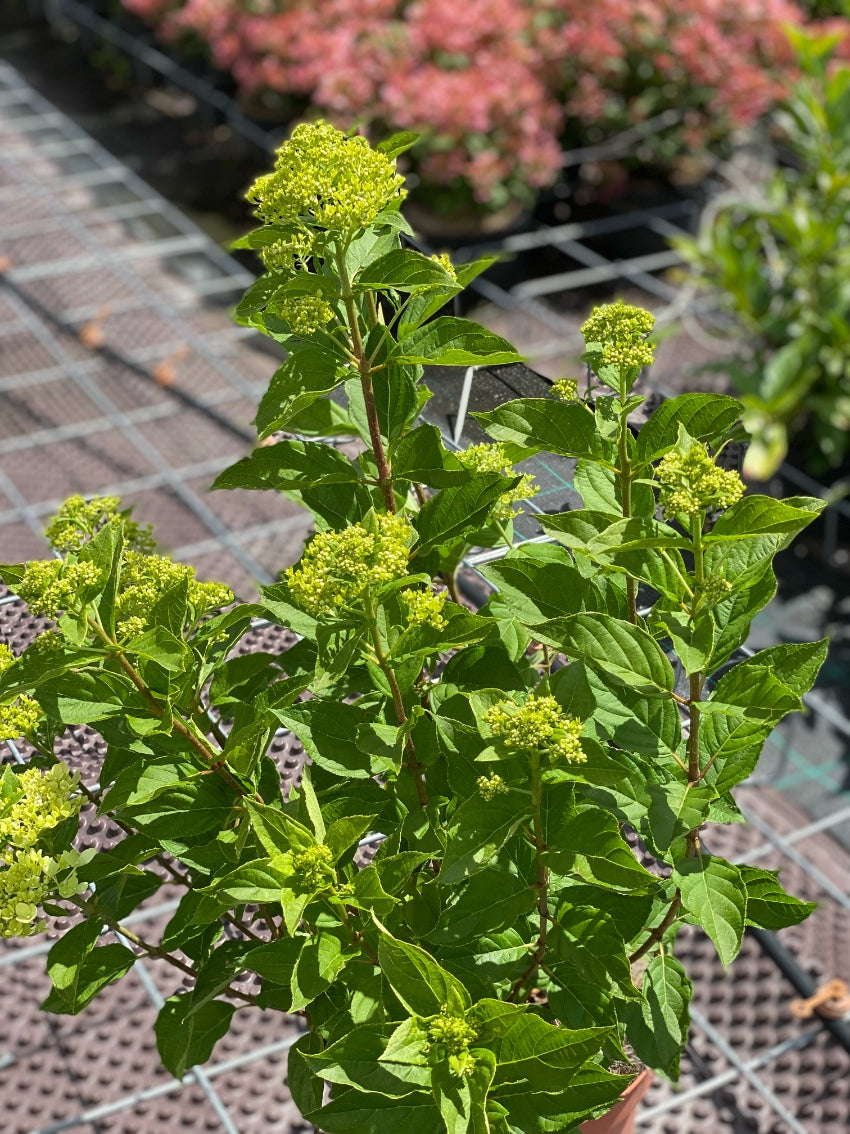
(658,1028)
(568,430)
(420,983)
(305,376)
(705,417)
(185,1037)
(590,844)
(713,894)
(490,901)
(539,581)
(421,456)
(78,969)
(328,731)
(357,1061)
(676,809)
(622,652)
(404,269)
(354,1112)
(762,515)
(462,1099)
(477,832)
(320,961)
(288,466)
(769,906)
(448,341)
(460,510)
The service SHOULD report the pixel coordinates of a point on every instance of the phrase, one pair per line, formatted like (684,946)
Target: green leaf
(622,652)
(477,832)
(588,961)
(304,1085)
(78,970)
(658,1027)
(768,905)
(328,731)
(276,960)
(527,1048)
(196,806)
(306,375)
(568,430)
(163,647)
(404,269)
(795,664)
(354,1112)
(319,963)
(734,615)
(356,1061)
(676,809)
(693,638)
(714,896)
(705,417)
(538,581)
(649,725)
(490,901)
(185,1036)
(278,831)
(591,1092)
(421,456)
(419,982)
(448,341)
(462,1099)
(762,515)
(396,144)
(590,844)
(460,510)
(289,465)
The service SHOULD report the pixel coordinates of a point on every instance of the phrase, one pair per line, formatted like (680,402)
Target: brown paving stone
(242,508)
(174,522)
(83,465)
(21,352)
(185,437)
(32,407)
(18,542)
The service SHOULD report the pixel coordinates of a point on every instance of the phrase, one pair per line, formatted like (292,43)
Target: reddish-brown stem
(657,934)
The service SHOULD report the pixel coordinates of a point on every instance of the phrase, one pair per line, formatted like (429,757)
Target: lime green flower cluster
(314,866)
(290,254)
(690,482)
(48,641)
(19,718)
(327,180)
(444,260)
(26,881)
(621,331)
(37,801)
(7,658)
(304,313)
(715,589)
(425,608)
(146,578)
(491,786)
(453,1035)
(51,585)
(538,725)
(338,566)
(566,389)
(78,520)
(491,457)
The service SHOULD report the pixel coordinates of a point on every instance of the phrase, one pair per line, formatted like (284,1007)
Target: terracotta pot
(620,1119)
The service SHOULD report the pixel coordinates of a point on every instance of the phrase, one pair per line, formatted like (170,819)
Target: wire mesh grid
(748,1066)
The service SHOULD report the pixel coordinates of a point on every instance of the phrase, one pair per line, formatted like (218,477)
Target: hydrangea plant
(483,966)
